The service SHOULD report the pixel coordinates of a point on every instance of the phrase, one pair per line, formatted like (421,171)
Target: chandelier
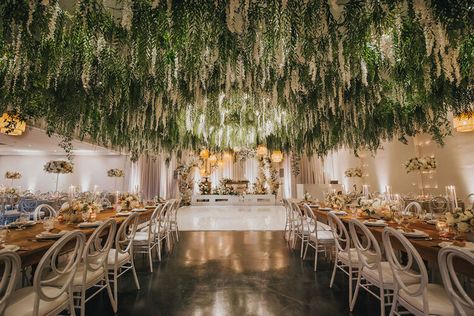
(464,122)
(12,125)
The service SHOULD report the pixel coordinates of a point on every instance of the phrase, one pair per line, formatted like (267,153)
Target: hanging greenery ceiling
(309,75)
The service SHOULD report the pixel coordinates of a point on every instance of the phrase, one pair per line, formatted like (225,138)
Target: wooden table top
(428,249)
(31,250)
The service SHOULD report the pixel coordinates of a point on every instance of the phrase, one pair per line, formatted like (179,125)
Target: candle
(388,192)
(344,189)
(71,192)
(365,190)
(451,194)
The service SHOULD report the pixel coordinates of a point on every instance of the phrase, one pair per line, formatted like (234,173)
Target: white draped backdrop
(154,176)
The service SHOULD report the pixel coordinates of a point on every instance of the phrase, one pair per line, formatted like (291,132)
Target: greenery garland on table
(297,75)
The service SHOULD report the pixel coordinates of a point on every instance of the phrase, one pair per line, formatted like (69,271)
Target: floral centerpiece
(353,172)
(223,189)
(461,221)
(128,201)
(205,186)
(58,167)
(12,175)
(378,207)
(337,199)
(307,197)
(115,172)
(11,191)
(73,211)
(426,163)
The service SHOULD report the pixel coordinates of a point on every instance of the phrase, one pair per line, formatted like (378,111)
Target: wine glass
(85,216)
(442,228)
(407,217)
(48,224)
(398,218)
(22,220)
(3,237)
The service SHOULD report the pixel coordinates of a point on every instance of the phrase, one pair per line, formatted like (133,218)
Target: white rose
(463,227)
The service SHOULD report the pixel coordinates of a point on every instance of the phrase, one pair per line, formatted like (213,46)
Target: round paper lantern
(212,159)
(464,123)
(261,150)
(204,154)
(12,125)
(277,156)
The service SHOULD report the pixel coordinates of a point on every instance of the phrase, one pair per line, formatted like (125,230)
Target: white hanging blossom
(363,70)
(127,15)
(52,21)
(31,11)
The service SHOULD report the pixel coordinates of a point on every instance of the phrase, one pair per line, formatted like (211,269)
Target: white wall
(455,165)
(89,170)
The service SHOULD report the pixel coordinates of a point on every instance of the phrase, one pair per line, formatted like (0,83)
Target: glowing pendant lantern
(464,123)
(204,154)
(261,150)
(12,125)
(212,159)
(220,163)
(202,172)
(277,156)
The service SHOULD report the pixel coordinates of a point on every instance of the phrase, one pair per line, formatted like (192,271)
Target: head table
(428,248)
(31,249)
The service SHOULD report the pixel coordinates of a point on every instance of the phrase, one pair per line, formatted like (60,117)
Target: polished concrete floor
(229,217)
(233,273)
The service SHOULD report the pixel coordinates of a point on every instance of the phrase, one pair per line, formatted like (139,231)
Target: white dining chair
(92,270)
(421,298)
(462,301)
(172,221)
(373,271)
(44,211)
(415,209)
(319,238)
(346,258)
(300,229)
(286,205)
(151,237)
(10,264)
(120,258)
(45,297)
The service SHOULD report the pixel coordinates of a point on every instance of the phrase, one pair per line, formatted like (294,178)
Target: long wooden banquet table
(428,248)
(32,249)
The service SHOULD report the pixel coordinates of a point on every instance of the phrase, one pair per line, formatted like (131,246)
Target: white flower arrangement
(115,172)
(426,163)
(11,191)
(378,207)
(307,196)
(205,186)
(353,172)
(462,221)
(337,199)
(58,166)
(128,201)
(245,154)
(12,175)
(72,211)
(223,189)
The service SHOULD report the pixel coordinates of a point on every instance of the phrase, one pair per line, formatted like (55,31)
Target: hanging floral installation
(186,181)
(426,164)
(295,75)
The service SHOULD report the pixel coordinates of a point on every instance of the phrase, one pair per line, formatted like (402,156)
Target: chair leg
(72,310)
(150,260)
(356,293)
(394,304)
(305,250)
(382,301)
(135,277)
(302,245)
(158,249)
(109,292)
(350,285)
(333,273)
(83,301)
(115,289)
(316,257)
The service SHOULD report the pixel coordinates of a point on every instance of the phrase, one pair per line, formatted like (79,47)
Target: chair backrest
(366,246)
(125,235)
(98,246)
(461,300)
(27,204)
(339,231)
(158,215)
(438,205)
(414,208)
(297,213)
(44,211)
(50,268)
(413,267)
(10,266)
(313,229)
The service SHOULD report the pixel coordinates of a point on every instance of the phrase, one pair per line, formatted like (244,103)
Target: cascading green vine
(315,75)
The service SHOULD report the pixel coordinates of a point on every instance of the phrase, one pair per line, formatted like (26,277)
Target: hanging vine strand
(315,75)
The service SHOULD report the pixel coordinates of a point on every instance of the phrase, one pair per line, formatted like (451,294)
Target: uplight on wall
(464,122)
(12,125)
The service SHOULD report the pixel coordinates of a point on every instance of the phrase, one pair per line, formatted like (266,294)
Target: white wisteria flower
(426,163)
